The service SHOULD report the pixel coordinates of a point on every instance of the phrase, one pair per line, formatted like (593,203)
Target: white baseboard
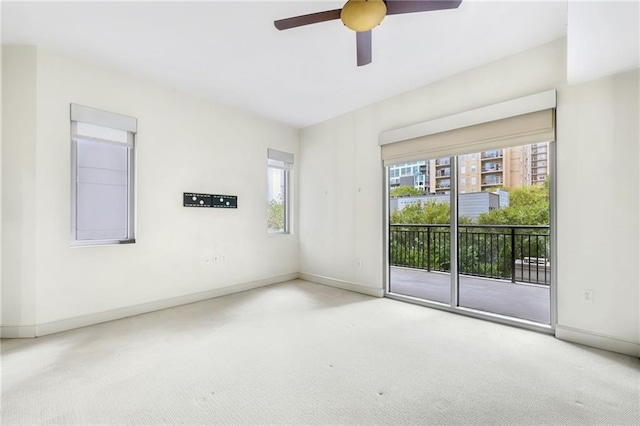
(90,319)
(596,340)
(345,285)
(17,331)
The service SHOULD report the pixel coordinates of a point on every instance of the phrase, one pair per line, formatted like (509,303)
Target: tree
(408,245)
(486,250)
(528,205)
(405,191)
(275,215)
(429,213)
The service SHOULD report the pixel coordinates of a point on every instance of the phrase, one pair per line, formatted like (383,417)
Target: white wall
(341,188)
(18,188)
(598,208)
(341,183)
(0,178)
(183,144)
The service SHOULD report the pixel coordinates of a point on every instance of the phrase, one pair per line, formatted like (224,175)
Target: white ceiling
(231,53)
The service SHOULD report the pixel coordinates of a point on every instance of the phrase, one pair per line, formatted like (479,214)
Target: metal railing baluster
(482,249)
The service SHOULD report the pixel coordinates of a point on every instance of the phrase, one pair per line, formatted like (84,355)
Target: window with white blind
(279,165)
(102,177)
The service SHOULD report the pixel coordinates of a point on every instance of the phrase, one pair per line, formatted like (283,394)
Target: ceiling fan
(363,15)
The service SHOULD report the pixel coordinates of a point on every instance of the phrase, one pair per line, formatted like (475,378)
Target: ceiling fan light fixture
(363,15)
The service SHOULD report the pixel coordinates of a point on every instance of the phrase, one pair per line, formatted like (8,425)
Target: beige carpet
(302,353)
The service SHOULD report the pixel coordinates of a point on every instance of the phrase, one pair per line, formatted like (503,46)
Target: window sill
(98,243)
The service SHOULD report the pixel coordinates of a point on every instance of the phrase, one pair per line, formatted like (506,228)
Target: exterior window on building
(279,165)
(463,169)
(102,177)
(473,168)
(473,156)
(463,181)
(473,180)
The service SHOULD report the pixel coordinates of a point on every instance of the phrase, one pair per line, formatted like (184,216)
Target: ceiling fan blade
(396,7)
(363,47)
(313,18)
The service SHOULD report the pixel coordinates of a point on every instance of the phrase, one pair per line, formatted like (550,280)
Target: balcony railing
(491,154)
(491,169)
(506,252)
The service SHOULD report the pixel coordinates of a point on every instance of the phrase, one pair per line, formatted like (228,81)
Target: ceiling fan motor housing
(363,15)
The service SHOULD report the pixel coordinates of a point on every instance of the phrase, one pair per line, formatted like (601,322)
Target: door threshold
(474,313)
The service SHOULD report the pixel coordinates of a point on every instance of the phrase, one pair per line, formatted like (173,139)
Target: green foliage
(483,251)
(418,248)
(432,213)
(405,191)
(275,215)
(528,205)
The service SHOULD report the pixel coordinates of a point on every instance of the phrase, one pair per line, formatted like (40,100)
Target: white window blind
(517,122)
(279,159)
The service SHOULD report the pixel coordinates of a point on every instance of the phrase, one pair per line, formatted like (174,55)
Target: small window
(279,166)
(463,169)
(463,181)
(102,187)
(473,168)
(473,180)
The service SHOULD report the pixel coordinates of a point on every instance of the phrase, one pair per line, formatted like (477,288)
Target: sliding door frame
(453,231)
(454,301)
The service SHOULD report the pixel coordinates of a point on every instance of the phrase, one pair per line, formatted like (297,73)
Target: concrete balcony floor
(519,300)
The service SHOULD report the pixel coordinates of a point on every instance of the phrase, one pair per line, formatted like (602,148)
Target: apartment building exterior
(539,162)
(477,172)
(414,174)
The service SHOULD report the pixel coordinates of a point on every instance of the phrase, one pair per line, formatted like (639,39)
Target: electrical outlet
(587,295)
(214,259)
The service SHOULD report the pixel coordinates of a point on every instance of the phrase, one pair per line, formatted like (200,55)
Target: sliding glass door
(472,232)
(419,231)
